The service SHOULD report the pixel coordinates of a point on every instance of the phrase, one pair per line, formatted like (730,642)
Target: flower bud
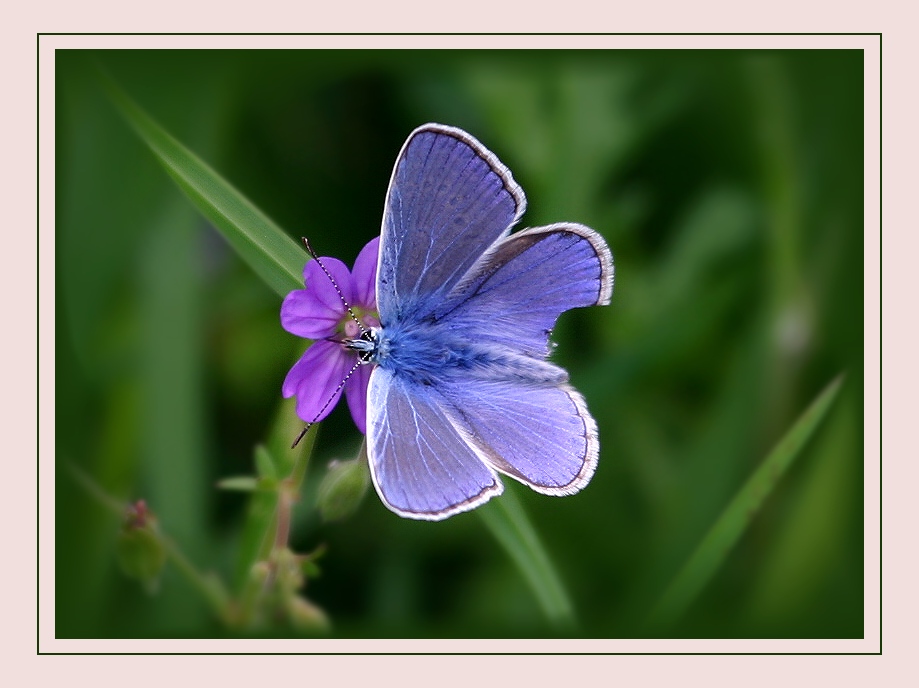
(288,572)
(260,571)
(140,551)
(343,488)
(306,616)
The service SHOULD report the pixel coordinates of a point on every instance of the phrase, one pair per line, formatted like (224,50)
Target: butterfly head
(366,345)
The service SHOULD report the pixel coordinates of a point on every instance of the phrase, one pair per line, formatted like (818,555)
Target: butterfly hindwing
(541,435)
(420,464)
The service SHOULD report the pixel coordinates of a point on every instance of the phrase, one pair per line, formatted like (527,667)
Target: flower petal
(316,379)
(304,315)
(321,286)
(356,395)
(364,275)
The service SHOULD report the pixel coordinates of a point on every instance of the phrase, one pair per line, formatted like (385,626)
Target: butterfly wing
(541,435)
(519,288)
(421,466)
(449,199)
(529,426)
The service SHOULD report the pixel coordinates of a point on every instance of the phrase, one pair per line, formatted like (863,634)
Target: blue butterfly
(461,389)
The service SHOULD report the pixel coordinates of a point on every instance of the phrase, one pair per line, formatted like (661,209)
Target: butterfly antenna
(326,405)
(328,274)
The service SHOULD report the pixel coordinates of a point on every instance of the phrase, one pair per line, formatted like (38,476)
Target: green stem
(116,506)
(276,533)
(210,586)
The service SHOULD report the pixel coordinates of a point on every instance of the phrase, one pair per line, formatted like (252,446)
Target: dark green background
(728,185)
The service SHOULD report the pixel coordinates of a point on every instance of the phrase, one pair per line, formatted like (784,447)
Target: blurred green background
(728,185)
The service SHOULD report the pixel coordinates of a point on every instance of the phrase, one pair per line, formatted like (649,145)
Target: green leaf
(730,526)
(264,464)
(274,256)
(508,522)
(308,564)
(310,569)
(239,483)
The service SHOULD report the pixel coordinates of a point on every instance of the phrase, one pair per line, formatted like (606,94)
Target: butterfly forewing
(526,281)
(449,199)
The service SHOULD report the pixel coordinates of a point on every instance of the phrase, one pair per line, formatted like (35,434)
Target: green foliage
(507,521)
(270,252)
(741,512)
(728,185)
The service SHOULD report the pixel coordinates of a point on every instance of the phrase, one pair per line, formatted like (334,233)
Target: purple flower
(318,313)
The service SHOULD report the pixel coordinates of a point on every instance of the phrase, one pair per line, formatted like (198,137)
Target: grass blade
(274,256)
(508,522)
(732,523)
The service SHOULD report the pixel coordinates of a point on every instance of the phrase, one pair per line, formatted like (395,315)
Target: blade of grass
(274,256)
(508,522)
(727,530)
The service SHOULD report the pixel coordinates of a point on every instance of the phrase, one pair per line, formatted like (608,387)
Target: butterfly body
(432,353)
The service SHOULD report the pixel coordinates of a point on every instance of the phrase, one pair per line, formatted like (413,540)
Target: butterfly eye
(365,355)
(365,346)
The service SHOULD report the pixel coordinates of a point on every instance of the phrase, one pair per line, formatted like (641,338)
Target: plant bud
(140,552)
(343,488)
(306,616)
